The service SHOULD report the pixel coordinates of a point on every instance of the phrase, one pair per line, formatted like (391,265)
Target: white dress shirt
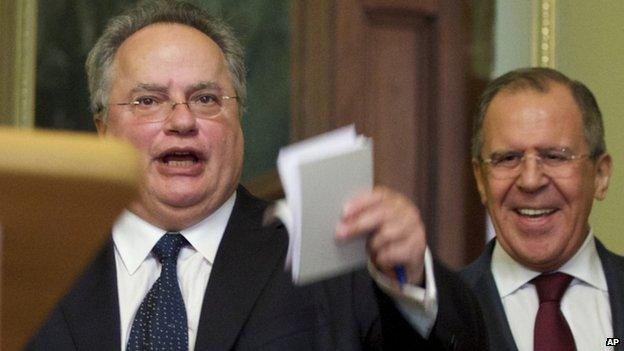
(585,304)
(138,268)
(418,305)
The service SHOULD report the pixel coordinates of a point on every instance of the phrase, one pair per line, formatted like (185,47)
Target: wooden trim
(311,73)
(452,134)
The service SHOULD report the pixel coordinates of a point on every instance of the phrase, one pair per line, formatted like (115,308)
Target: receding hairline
(542,86)
(166,23)
(223,64)
(518,87)
(540,79)
(147,13)
(157,25)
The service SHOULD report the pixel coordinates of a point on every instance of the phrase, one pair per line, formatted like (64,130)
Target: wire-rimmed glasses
(555,162)
(155,109)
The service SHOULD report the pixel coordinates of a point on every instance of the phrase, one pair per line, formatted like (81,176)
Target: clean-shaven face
(540,220)
(191,165)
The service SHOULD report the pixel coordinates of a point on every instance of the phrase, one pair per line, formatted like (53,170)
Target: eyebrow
(141,87)
(538,149)
(204,85)
(149,87)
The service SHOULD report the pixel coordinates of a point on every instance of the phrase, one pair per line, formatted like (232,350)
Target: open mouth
(535,212)
(185,158)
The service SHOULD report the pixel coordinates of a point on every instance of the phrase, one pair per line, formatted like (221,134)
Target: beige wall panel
(589,46)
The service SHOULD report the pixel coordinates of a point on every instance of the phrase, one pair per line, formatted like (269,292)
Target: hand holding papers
(319,175)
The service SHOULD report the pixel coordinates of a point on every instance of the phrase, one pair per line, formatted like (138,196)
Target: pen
(400,274)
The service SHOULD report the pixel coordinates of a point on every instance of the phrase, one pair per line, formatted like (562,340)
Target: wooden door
(399,70)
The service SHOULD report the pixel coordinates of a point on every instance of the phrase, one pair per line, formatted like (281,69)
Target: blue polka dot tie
(160,322)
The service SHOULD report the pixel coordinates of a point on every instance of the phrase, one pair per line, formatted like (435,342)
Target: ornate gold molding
(543,41)
(19,59)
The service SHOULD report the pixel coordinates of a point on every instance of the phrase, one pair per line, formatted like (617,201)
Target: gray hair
(538,79)
(119,28)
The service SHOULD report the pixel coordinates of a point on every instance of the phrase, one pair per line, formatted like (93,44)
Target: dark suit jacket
(478,276)
(251,304)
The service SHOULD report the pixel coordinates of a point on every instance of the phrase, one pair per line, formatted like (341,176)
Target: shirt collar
(206,235)
(585,266)
(134,237)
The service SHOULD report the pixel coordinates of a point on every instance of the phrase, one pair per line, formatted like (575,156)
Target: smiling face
(539,220)
(191,165)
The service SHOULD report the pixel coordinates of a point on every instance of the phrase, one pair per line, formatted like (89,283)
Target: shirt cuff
(418,305)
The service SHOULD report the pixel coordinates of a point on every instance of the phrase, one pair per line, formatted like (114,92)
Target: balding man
(190,266)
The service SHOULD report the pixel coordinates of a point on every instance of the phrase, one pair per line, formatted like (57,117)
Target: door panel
(398,70)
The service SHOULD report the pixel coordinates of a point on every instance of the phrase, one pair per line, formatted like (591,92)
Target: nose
(532,176)
(181,120)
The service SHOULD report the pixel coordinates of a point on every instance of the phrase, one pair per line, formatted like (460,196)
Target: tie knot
(169,246)
(551,287)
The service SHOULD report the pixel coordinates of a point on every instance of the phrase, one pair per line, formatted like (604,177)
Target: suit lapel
(92,309)
(247,257)
(479,276)
(480,279)
(613,267)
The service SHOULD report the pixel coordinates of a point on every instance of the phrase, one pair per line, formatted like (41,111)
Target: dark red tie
(552,332)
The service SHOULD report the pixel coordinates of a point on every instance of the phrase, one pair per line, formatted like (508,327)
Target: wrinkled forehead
(169,54)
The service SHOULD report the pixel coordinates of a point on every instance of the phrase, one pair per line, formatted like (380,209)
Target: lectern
(59,195)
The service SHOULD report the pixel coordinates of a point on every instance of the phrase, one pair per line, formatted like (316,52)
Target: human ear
(100,125)
(603,168)
(481,180)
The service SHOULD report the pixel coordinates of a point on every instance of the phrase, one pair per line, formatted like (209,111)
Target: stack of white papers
(319,175)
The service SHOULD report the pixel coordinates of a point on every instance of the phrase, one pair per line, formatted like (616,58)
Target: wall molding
(544,31)
(19,59)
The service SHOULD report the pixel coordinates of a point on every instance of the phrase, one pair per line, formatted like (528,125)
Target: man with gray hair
(540,160)
(190,266)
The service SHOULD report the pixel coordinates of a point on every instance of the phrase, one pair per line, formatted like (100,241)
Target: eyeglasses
(555,162)
(155,109)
